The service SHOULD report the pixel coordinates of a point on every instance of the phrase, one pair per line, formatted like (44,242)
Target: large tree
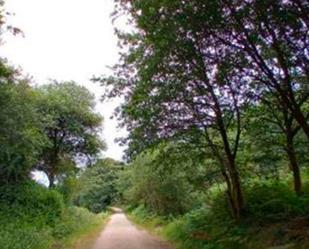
(20,134)
(272,36)
(193,65)
(176,81)
(71,126)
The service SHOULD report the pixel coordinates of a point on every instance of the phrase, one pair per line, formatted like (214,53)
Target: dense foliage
(21,136)
(193,69)
(216,102)
(34,217)
(70,125)
(98,186)
(163,180)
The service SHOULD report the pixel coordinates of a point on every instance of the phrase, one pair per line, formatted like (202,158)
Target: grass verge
(85,234)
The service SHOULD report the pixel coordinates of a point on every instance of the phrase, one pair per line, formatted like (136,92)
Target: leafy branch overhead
(193,68)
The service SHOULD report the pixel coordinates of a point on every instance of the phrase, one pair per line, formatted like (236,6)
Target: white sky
(66,40)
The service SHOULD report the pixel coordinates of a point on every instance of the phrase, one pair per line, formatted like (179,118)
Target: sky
(67,40)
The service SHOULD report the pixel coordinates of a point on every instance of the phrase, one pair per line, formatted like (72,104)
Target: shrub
(272,200)
(34,217)
(31,202)
(28,213)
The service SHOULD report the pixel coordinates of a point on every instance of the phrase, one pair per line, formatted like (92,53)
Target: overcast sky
(66,40)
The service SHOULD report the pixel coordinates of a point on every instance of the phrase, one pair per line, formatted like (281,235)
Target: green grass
(33,217)
(75,223)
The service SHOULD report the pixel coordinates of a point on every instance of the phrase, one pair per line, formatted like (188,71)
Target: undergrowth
(275,218)
(33,217)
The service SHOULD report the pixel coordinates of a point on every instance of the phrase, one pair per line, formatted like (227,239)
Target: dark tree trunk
(301,120)
(236,190)
(293,163)
(290,132)
(51,179)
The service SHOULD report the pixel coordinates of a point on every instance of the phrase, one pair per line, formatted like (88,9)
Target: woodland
(216,105)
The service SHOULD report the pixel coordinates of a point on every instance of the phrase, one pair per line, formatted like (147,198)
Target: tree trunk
(51,179)
(236,190)
(301,120)
(294,164)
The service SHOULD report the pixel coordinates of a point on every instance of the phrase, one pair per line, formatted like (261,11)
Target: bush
(19,235)
(31,202)
(163,186)
(272,200)
(34,217)
(275,216)
(28,213)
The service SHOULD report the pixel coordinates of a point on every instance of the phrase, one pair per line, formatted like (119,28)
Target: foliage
(273,201)
(274,218)
(98,185)
(21,138)
(192,69)
(71,126)
(163,186)
(51,127)
(34,217)
(69,188)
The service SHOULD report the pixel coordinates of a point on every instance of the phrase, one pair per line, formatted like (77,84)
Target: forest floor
(120,233)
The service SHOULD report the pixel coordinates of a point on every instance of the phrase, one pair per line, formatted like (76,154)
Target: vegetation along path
(120,233)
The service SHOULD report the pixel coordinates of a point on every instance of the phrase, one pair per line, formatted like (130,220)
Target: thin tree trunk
(51,178)
(294,164)
(237,194)
(235,200)
(301,120)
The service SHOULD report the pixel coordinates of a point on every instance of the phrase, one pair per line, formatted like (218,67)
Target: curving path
(119,233)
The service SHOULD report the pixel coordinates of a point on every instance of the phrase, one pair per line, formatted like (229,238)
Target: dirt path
(119,233)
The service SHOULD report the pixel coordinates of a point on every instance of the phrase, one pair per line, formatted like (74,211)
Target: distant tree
(71,126)
(161,179)
(98,185)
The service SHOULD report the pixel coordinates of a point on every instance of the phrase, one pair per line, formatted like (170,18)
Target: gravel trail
(120,233)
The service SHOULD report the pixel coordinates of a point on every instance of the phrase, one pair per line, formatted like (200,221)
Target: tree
(162,186)
(271,35)
(177,82)
(98,185)
(20,134)
(21,137)
(273,125)
(71,126)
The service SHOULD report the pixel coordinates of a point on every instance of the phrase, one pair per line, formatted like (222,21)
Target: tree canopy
(191,69)
(71,126)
